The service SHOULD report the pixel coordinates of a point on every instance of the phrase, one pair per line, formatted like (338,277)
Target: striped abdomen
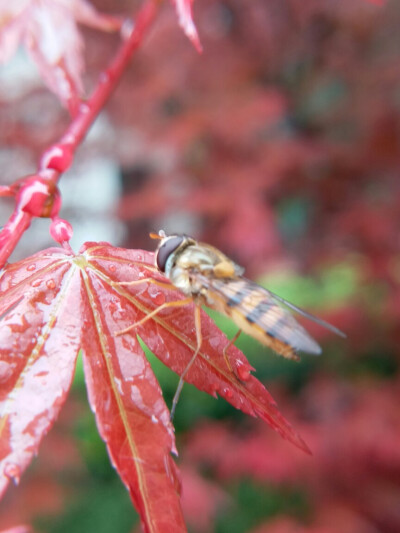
(255,311)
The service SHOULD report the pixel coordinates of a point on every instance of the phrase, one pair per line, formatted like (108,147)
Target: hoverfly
(208,277)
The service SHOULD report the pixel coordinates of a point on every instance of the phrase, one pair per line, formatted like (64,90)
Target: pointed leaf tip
(184,11)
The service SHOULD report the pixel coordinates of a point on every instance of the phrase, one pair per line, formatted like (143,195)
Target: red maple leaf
(55,303)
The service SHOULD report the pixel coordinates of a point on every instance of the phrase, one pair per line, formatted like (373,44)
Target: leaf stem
(110,77)
(11,233)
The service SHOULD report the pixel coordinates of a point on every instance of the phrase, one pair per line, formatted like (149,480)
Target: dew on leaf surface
(158,297)
(50,284)
(243,371)
(227,393)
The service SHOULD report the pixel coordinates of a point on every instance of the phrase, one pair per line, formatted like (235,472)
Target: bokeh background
(280,145)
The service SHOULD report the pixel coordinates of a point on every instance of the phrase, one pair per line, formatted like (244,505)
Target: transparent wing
(315,319)
(261,309)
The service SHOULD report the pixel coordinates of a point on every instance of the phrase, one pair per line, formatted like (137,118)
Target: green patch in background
(97,508)
(264,501)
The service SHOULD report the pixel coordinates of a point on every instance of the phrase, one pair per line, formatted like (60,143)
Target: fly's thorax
(184,269)
(200,258)
(182,280)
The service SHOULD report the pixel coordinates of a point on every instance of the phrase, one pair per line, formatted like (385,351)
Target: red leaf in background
(201,500)
(184,10)
(352,482)
(52,304)
(48,30)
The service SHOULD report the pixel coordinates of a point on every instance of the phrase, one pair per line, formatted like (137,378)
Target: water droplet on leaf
(50,284)
(112,268)
(31,267)
(243,371)
(36,283)
(227,393)
(159,298)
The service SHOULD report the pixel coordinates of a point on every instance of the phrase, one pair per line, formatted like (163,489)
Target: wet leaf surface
(52,305)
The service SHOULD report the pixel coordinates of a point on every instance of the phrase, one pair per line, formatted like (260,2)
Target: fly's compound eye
(166,249)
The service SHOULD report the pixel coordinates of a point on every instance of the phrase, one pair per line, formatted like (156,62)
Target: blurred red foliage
(354,474)
(280,144)
(286,101)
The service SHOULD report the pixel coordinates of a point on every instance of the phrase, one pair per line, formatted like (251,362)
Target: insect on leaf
(170,334)
(52,305)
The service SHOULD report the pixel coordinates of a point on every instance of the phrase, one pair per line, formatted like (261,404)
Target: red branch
(56,159)
(110,77)
(12,232)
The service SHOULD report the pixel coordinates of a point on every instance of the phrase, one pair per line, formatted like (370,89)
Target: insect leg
(176,303)
(199,339)
(232,341)
(163,284)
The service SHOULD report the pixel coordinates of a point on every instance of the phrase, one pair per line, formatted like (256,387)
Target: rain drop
(112,268)
(227,393)
(36,283)
(243,371)
(31,267)
(50,284)
(158,298)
